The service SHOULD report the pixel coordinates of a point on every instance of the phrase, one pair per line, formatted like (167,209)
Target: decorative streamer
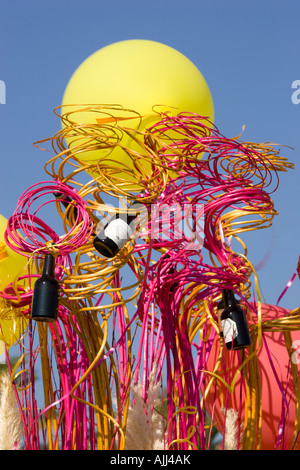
(145,319)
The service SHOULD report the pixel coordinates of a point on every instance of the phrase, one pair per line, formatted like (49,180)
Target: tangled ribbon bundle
(135,332)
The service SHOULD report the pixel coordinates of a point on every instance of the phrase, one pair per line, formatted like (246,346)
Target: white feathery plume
(10,419)
(231,429)
(144,429)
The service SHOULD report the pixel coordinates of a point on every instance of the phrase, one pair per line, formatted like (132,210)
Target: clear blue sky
(248,52)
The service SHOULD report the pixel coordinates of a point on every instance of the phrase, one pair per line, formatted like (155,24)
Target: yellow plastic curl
(93,274)
(94,337)
(140,168)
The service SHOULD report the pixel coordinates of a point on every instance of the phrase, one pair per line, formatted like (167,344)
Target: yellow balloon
(12,265)
(144,76)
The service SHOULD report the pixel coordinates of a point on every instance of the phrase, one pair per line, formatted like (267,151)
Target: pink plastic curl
(18,296)
(29,235)
(73,417)
(71,362)
(68,361)
(194,135)
(202,180)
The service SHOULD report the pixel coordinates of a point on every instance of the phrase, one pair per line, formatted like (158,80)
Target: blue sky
(248,52)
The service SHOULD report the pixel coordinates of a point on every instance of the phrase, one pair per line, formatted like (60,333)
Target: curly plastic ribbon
(171,280)
(36,231)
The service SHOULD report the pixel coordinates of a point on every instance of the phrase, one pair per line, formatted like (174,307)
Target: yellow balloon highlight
(12,266)
(135,81)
